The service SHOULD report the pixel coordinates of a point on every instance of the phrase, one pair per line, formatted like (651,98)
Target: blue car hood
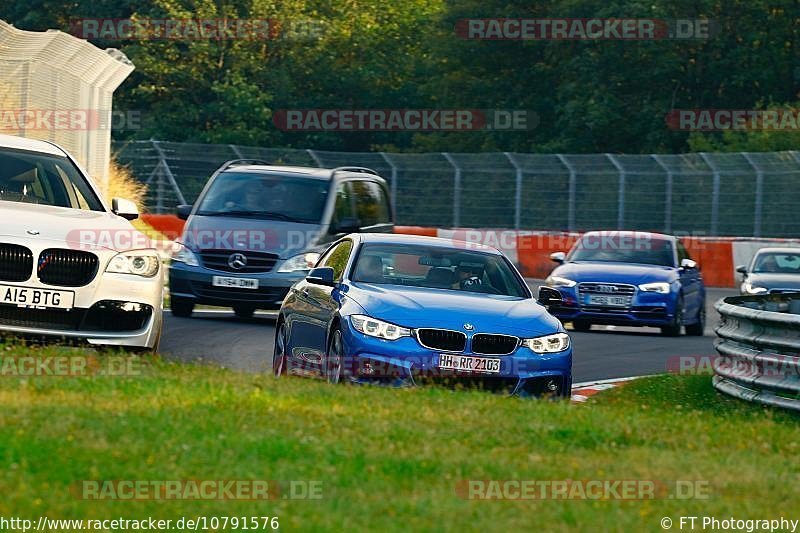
(415,307)
(229,233)
(633,274)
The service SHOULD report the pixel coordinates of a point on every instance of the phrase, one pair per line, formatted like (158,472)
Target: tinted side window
(372,206)
(344,208)
(337,257)
(682,252)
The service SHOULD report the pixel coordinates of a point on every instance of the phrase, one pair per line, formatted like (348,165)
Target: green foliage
(590,96)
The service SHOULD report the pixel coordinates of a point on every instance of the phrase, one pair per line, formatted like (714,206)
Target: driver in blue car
(468,277)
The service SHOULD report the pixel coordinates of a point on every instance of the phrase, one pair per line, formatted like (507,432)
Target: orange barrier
(416,230)
(533,252)
(715,259)
(168,225)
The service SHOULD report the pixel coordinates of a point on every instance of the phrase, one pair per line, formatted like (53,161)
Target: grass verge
(388,459)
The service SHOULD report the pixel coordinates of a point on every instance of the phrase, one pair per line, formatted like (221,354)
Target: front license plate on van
(234,283)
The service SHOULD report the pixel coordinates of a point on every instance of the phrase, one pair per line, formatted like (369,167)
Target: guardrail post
(759,194)
(518,194)
(573,188)
(667,194)
(456,190)
(393,184)
(714,193)
(620,191)
(316,159)
(168,172)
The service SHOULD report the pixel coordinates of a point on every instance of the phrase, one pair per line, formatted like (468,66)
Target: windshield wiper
(251,214)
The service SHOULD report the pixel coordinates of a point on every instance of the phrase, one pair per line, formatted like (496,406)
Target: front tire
(334,357)
(581,325)
(674,329)
(244,311)
(697,329)
(279,352)
(181,307)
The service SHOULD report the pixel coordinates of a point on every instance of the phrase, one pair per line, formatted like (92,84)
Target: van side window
(344,208)
(372,205)
(336,258)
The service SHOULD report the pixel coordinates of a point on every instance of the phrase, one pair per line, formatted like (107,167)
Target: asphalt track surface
(219,338)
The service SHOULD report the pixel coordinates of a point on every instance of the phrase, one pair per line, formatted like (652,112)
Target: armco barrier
(759,345)
(530,250)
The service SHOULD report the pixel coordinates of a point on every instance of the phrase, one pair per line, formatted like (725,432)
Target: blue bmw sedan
(407,310)
(628,278)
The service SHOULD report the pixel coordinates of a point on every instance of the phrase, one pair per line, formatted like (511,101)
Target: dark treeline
(589,96)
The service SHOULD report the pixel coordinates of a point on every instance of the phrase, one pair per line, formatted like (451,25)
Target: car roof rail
(364,170)
(244,161)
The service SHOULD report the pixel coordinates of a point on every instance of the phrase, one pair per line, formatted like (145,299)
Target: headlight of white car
(182,254)
(750,289)
(378,328)
(557,342)
(144,263)
(556,281)
(659,287)
(299,262)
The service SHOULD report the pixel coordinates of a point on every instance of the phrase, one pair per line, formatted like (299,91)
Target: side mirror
(741,269)
(346,225)
(124,208)
(688,264)
(321,276)
(548,296)
(558,257)
(183,211)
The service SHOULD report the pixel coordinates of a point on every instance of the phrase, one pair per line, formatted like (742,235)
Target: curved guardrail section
(759,344)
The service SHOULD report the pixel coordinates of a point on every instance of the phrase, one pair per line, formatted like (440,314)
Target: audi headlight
(749,288)
(144,263)
(660,287)
(556,281)
(378,328)
(299,262)
(558,342)
(182,254)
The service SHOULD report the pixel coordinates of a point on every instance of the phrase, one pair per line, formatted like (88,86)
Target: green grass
(389,459)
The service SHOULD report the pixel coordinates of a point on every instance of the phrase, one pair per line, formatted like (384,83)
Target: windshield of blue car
(437,268)
(264,196)
(777,263)
(644,251)
(36,178)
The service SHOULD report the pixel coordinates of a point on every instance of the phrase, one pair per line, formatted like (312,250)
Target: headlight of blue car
(557,281)
(558,342)
(378,328)
(659,287)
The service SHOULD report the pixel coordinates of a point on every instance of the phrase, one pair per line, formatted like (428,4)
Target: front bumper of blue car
(405,362)
(643,309)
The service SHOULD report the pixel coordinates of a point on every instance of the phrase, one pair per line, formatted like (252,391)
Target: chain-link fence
(736,194)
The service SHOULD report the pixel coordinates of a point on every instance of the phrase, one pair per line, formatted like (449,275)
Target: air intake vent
(442,339)
(67,268)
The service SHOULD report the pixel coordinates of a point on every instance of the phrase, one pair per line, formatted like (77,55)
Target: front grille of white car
(67,268)
(16,262)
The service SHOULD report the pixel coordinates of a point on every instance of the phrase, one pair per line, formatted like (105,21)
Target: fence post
(393,184)
(714,194)
(620,191)
(518,194)
(667,194)
(759,194)
(170,176)
(573,188)
(456,190)
(316,159)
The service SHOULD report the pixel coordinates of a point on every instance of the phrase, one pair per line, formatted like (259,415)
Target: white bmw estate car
(70,265)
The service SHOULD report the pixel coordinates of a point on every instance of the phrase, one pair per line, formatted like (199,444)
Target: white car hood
(72,227)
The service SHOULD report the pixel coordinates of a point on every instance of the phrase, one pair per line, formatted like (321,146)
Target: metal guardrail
(759,344)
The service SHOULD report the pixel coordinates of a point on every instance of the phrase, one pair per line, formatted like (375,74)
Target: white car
(70,265)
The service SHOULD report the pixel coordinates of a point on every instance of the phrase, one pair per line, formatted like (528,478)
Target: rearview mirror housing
(183,211)
(124,208)
(558,257)
(549,296)
(321,276)
(688,264)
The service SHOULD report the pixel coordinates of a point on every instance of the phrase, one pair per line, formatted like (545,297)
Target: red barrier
(168,225)
(715,259)
(416,230)
(533,252)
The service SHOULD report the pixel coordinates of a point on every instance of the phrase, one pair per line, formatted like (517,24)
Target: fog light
(551,385)
(367,369)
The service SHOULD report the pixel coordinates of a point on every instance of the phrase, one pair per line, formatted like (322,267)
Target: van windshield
(276,197)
